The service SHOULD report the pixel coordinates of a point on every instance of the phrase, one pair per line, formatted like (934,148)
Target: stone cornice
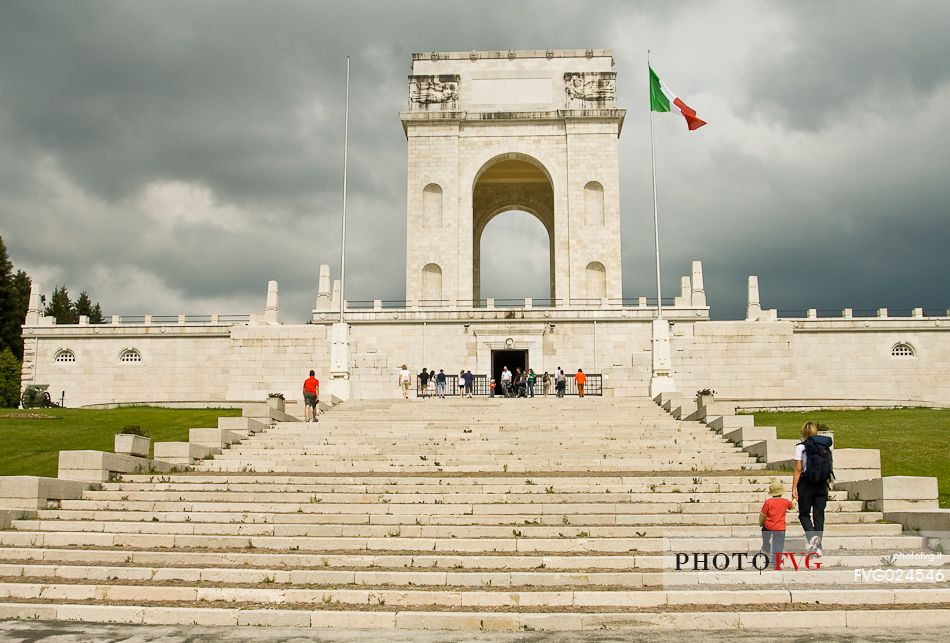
(437,118)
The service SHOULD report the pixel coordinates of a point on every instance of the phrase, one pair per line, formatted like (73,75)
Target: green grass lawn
(913,442)
(31,447)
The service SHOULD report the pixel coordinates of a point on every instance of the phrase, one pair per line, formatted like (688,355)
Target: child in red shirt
(772,521)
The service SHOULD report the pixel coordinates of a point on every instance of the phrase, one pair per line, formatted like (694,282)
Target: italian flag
(663,100)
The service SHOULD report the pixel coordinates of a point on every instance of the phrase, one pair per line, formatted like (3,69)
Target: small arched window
(903,349)
(64,355)
(130,355)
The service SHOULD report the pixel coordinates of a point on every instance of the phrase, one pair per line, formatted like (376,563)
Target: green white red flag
(663,100)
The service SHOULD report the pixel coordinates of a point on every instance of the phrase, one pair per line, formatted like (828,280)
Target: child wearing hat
(772,521)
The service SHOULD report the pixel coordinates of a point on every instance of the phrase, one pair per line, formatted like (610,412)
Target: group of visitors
(429,379)
(521,383)
(524,383)
(811,481)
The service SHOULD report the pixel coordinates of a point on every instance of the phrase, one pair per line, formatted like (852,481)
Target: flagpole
(656,226)
(346,126)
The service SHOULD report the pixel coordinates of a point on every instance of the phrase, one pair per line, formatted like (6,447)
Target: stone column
(324,294)
(340,361)
(662,378)
(753,308)
(271,314)
(685,293)
(335,299)
(699,294)
(35,310)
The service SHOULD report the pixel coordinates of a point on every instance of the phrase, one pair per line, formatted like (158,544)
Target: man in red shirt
(772,521)
(311,395)
(580,379)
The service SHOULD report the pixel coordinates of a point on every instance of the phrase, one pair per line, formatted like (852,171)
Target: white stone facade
(488,132)
(534,131)
(836,360)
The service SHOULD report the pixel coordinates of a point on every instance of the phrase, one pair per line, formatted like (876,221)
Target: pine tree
(9,379)
(95,316)
(61,307)
(22,284)
(10,321)
(82,305)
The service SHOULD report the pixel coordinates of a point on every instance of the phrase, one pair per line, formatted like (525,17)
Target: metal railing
(480,386)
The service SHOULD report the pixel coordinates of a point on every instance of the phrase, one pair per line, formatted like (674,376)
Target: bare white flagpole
(656,226)
(346,126)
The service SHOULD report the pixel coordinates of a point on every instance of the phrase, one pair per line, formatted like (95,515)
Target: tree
(82,305)
(22,284)
(14,301)
(9,379)
(61,307)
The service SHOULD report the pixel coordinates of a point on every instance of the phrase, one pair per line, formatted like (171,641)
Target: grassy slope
(31,447)
(913,442)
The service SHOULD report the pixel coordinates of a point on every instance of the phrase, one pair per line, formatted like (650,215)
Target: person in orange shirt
(772,521)
(580,379)
(311,395)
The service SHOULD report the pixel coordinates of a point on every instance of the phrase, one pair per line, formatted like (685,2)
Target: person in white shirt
(505,380)
(405,381)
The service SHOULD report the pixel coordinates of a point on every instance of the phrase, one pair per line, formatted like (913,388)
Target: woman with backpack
(810,482)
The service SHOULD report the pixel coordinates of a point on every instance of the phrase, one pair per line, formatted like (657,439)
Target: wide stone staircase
(478,514)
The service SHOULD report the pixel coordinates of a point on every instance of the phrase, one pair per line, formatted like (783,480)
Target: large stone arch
(511,181)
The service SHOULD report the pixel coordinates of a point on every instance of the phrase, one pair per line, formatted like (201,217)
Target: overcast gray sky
(173,156)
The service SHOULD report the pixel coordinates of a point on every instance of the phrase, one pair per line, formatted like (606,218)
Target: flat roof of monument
(513,53)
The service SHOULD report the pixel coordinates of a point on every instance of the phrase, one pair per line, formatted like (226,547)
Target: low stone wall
(763,364)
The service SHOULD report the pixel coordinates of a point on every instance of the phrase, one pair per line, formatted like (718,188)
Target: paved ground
(61,632)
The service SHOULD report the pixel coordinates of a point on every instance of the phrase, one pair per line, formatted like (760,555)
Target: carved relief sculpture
(433,92)
(590,89)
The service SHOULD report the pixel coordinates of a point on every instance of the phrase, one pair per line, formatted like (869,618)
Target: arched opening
(515,257)
(506,183)
(432,206)
(596,281)
(432,285)
(594,203)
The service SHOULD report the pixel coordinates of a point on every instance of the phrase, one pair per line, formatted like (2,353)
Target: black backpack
(820,462)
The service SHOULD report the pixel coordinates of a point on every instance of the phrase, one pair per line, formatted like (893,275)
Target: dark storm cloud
(177,155)
(846,58)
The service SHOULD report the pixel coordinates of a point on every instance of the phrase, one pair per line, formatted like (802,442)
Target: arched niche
(594,203)
(596,280)
(432,206)
(432,284)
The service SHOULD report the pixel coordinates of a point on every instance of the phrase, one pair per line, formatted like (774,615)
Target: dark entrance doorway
(513,359)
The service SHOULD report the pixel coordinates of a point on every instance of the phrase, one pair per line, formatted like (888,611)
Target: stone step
(682,477)
(559,509)
(717,518)
(478,598)
(448,485)
(420,576)
(513,467)
(495,563)
(569,543)
(388,618)
(395,496)
(433,531)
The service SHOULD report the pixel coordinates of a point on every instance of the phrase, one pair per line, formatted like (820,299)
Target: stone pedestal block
(33,492)
(98,466)
(181,453)
(891,493)
(137,445)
